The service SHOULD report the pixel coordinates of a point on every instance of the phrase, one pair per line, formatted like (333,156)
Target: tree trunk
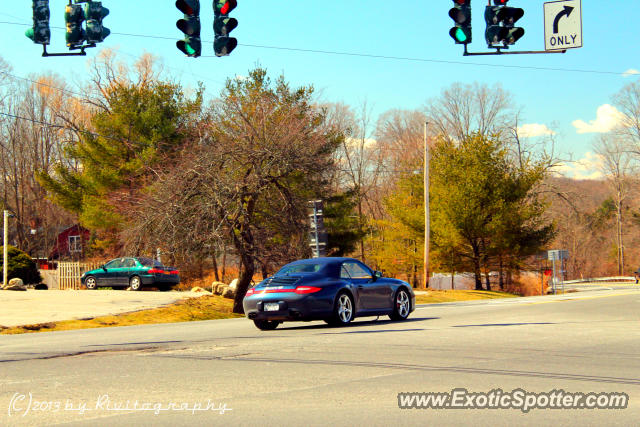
(476,267)
(247,269)
(224,261)
(215,266)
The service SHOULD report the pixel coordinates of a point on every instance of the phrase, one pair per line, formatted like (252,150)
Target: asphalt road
(311,374)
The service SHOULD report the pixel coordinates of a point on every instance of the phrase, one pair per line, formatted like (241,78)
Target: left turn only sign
(563,24)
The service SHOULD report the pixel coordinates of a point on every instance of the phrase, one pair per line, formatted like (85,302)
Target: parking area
(23,308)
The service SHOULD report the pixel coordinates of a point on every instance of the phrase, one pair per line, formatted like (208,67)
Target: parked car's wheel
(401,305)
(342,310)
(91,283)
(266,325)
(135,283)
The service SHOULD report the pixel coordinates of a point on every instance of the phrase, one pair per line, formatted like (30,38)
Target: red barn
(71,243)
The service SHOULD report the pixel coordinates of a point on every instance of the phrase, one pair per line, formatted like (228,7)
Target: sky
(569,94)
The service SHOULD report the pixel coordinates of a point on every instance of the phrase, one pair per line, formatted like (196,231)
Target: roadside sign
(563,25)
(557,255)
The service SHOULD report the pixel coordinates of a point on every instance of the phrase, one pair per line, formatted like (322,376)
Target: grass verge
(202,308)
(454,295)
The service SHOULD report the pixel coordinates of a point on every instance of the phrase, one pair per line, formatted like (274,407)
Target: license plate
(271,306)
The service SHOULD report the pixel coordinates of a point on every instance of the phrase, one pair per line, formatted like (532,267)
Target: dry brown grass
(435,296)
(528,284)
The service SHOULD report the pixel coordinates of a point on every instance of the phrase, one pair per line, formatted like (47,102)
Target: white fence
(69,273)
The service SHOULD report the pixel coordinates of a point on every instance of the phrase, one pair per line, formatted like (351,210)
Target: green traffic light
(460,36)
(190,46)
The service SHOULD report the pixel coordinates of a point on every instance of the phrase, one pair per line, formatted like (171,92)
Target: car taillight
(250,292)
(306,289)
(155,271)
(174,272)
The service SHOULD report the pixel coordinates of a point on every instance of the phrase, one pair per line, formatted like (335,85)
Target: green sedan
(135,273)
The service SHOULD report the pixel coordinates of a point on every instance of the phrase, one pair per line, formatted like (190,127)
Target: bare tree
(360,161)
(618,167)
(462,110)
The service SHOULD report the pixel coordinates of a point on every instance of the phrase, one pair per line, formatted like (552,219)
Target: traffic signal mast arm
(500,32)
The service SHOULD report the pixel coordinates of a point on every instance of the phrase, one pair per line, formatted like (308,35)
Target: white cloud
(534,129)
(607,118)
(354,143)
(630,72)
(589,167)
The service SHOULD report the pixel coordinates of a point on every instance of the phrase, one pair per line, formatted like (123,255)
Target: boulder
(233,284)
(15,284)
(16,281)
(214,286)
(199,289)
(229,293)
(220,288)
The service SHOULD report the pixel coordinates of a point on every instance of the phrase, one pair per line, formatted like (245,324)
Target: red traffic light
(223,7)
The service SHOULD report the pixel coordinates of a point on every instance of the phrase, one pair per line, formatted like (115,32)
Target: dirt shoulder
(30,307)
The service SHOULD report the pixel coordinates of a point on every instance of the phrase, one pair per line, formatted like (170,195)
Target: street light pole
(426,209)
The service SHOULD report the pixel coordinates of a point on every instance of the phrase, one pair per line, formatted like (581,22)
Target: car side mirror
(377,274)
(103,267)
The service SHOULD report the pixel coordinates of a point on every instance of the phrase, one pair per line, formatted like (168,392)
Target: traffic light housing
(500,20)
(223,45)
(94,13)
(461,15)
(190,26)
(74,17)
(40,33)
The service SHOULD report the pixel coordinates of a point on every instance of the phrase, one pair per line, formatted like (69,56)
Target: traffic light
(223,25)
(40,33)
(461,15)
(74,16)
(94,13)
(500,24)
(190,26)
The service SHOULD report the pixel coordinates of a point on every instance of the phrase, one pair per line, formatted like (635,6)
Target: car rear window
(148,262)
(300,268)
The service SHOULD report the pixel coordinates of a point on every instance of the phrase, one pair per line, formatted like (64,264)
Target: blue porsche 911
(335,290)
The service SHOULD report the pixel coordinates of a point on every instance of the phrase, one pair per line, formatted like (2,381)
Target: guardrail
(601,279)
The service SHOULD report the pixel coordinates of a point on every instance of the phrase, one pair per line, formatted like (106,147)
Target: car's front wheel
(266,325)
(135,283)
(401,306)
(91,283)
(342,310)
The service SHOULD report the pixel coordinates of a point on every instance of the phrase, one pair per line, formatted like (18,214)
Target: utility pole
(5,249)
(426,209)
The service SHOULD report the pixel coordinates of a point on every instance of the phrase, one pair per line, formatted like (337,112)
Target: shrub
(21,265)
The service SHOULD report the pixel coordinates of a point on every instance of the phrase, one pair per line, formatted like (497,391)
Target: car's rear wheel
(135,283)
(401,305)
(342,310)
(91,283)
(266,325)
